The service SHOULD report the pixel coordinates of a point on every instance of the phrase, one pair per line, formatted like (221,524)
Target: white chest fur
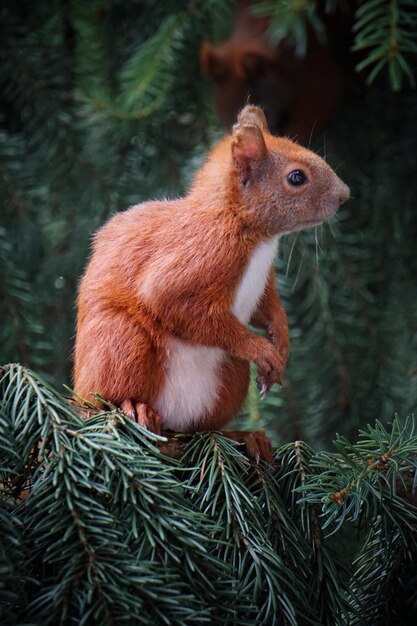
(191,386)
(252,284)
(192,374)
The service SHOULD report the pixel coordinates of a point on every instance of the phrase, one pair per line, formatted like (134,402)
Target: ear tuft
(211,61)
(248,149)
(253,115)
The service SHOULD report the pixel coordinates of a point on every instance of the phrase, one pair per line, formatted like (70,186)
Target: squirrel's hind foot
(258,446)
(143,415)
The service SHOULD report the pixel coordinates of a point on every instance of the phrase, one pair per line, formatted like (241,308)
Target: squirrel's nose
(343,192)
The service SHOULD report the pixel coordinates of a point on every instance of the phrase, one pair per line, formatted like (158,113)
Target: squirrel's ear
(211,62)
(253,115)
(248,149)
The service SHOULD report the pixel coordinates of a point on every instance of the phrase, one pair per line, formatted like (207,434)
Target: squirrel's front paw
(279,337)
(270,369)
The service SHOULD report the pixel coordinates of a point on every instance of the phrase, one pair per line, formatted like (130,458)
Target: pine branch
(291,19)
(148,78)
(12,563)
(101,526)
(376,567)
(388,29)
(221,493)
(327,581)
(80,547)
(369,474)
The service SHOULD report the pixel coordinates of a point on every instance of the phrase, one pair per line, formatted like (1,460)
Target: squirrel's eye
(297,178)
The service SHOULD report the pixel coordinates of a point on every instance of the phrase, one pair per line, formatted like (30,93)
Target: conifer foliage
(103,105)
(100,526)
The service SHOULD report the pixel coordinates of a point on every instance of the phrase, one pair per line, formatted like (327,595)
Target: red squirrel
(171,285)
(297,93)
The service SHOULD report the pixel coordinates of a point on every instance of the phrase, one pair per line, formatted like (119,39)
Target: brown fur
(298,93)
(171,269)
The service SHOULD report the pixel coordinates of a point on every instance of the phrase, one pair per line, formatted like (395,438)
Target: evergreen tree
(92,96)
(103,105)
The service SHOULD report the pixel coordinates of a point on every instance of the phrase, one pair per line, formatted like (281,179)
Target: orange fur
(169,271)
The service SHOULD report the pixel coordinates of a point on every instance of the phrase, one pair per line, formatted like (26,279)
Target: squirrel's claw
(264,390)
(128,409)
(148,418)
(264,384)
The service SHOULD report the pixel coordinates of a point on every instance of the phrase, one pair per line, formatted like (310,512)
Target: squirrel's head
(285,186)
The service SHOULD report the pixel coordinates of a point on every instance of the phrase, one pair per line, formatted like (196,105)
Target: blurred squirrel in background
(170,287)
(297,93)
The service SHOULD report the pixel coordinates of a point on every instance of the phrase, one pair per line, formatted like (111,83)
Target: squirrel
(298,93)
(171,286)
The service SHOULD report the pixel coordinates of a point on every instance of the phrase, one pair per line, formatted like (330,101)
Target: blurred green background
(104,104)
